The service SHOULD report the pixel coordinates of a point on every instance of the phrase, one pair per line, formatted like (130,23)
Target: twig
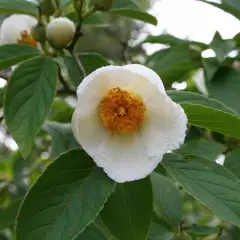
(66,92)
(124,49)
(78,32)
(80,65)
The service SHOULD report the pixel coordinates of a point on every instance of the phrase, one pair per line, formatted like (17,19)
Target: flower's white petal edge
(115,75)
(148,74)
(127,158)
(13,26)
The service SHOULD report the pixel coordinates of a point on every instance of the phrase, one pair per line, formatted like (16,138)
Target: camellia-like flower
(125,121)
(17,29)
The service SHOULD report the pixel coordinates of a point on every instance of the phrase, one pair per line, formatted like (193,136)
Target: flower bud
(103,5)
(39,33)
(60,32)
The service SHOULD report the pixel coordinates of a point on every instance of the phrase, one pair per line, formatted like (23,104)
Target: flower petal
(165,126)
(125,158)
(148,74)
(13,26)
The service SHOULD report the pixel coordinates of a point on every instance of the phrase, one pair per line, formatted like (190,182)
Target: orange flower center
(27,39)
(121,111)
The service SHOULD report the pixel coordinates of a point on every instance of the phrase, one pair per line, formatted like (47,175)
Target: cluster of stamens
(27,39)
(121,111)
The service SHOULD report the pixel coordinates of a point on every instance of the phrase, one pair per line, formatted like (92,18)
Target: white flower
(125,121)
(60,32)
(17,29)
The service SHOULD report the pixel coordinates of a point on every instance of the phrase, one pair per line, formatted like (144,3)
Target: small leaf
(20,7)
(7,217)
(136,14)
(167,198)
(65,199)
(174,63)
(225,87)
(131,208)
(230,6)
(12,54)
(28,99)
(206,148)
(183,97)
(74,71)
(232,162)
(159,232)
(92,61)
(62,137)
(202,231)
(133,9)
(96,231)
(209,182)
(210,67)
(221,47)
(213,119)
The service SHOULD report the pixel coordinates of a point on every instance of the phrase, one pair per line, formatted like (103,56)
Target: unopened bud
(60,32)
(103,5)
(39,33)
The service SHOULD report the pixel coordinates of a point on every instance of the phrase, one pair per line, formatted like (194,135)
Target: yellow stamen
(121,111)
(27,39)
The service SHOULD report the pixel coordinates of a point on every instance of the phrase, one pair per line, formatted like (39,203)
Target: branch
(80,65)
(78,32)
(66,92)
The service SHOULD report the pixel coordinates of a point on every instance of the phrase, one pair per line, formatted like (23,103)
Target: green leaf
(131,208)
(96,231)
(92,61)
(2,92)
(213,119)
(210,67)
(136,14)
(74,71)
(12,54)
(7,217)
(64,3)
(165,39)
(174,63)
(207,113)
(183,97)
(62,137)
(225,87)
(167,198)
(20,7)
(232,162)
(65,199)
(209,182)
(230,6)
(159,232)
(221,47)
(172,41)
(28,99)
(133,9)
(206,148)
(202,231)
